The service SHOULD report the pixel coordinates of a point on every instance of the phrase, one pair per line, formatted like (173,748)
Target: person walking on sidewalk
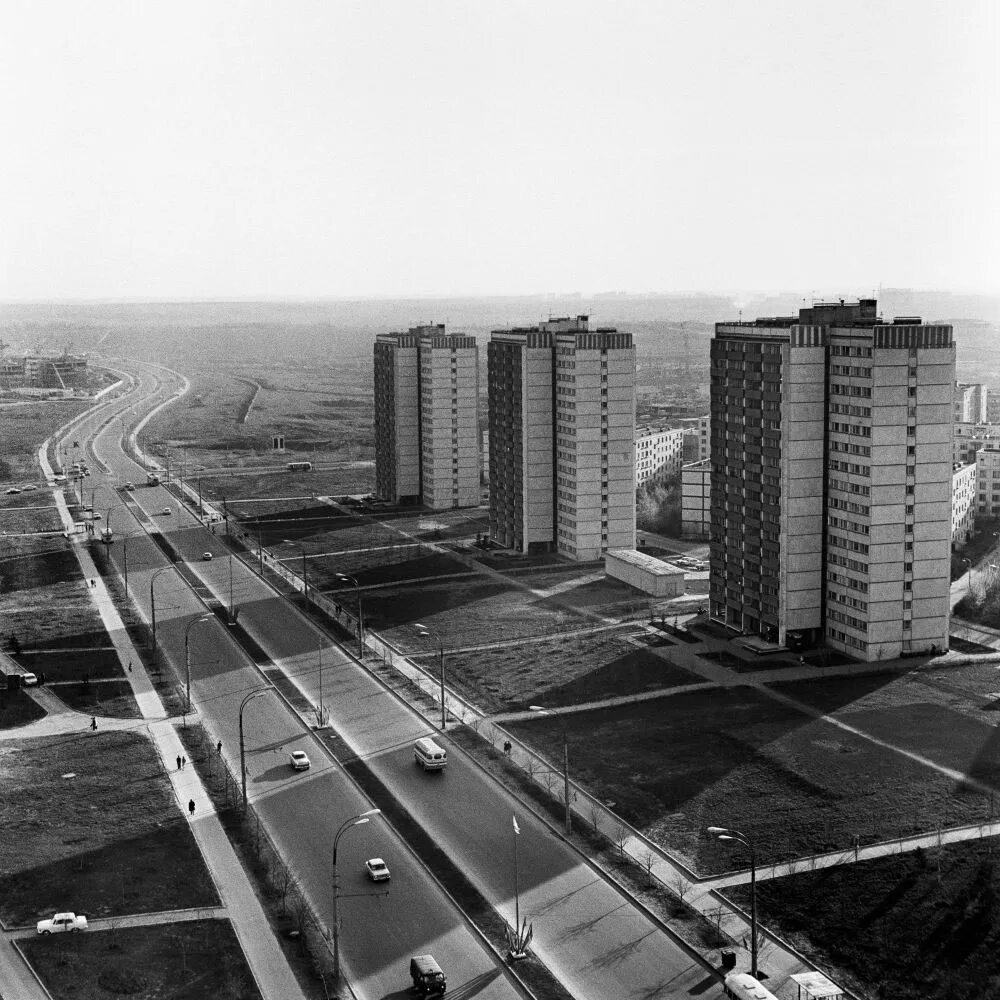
(191,806)
(178,762)
(93,722)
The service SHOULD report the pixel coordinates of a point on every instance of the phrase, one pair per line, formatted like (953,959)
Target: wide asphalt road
(381,927)
(596,941)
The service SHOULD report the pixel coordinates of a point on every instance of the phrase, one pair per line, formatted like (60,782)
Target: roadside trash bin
(728,960)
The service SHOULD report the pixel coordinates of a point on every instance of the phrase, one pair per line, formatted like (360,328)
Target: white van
(429,755)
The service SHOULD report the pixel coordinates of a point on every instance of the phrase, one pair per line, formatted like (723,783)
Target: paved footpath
(267,962)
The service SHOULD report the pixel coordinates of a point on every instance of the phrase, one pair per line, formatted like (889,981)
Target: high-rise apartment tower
(831,479)
(426,423)
(561,433)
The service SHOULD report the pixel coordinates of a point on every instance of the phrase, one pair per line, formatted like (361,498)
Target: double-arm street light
(187,651)
(723,833)
(152,601)
(243,756)
(428,633)
(305,571)
(358,820)
(555,715)
(345,578)
(107,537)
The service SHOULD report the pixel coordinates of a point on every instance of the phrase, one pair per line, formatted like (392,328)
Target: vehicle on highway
(152,479)
(62,922)
(428,979)
(29,679)
(167,510)
(378,870)
(298,760)
(28,487)
(58,479)
(429,755)
(12,491)
(207,556)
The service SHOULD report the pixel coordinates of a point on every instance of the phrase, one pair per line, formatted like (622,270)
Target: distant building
(963,503)
(38,371)
(696,500)
(658,453)
(988,481)
(968,438)
(561,435)
(971,403)
(426,426)
(993,407)
(832,479)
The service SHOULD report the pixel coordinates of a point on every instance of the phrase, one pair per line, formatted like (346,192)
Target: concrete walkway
(267,962)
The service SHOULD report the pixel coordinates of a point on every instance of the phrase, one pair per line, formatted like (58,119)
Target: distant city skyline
(402,149)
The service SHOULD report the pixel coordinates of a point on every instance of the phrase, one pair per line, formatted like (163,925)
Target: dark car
(428,979)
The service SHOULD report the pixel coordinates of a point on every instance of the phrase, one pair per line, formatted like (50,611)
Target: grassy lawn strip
(918,926)
(26,427)
(559,671)
(183,961)
(108,841)
(18,709)
(737,758)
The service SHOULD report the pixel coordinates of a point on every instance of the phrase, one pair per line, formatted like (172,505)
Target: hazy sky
(338,148)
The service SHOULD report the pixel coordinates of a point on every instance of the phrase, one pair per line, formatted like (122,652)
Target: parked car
(61,923)
(377,870)
(28,488)
(29,679)
(96,515)
(12,491)
(167,510)
(207,556)
(130,486)
(298,760)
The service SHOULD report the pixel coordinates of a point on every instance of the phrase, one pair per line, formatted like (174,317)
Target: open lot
(735,757)
(920,926)
(18,709)
(24,427)
(185,961)
(90,823)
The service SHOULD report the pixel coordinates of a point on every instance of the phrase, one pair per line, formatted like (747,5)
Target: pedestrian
(184,761)
(178,762)
(93,722)
(507,747)
(130,666)
(191,806)
(218,747)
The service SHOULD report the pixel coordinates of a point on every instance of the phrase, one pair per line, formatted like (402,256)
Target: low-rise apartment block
(963,503)
(659,453)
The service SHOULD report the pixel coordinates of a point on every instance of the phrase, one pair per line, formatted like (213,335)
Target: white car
(167,511)
(29,679)
(298,760)
(12,491)
(377,870)
(207,556)
(28,488)
(61,923)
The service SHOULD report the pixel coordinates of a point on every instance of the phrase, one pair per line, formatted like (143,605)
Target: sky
(331,148)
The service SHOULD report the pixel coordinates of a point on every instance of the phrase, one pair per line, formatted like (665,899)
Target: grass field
(563,670)
(185,961)
(736,758)
(18,709)
(91,824)
(920,926)
(24,427)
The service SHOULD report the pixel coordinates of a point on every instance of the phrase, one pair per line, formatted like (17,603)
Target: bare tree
(621,835)
(595,815)
(284,882)
(647,859)
(680,885)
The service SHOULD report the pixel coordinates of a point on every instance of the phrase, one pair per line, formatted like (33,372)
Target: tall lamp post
(152,601)
(107,528)
(358,820)
(187,652)
(305,573)
(427,634)
(722,833)
(555,715)
(243,756)
(345,578)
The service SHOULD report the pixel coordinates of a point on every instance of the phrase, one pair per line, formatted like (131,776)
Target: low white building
(646,573)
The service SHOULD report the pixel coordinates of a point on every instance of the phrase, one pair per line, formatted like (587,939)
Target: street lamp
(427,634)
(243,756)
(722,833)
(152,601)
(358,820)
(107,528)
(555,715)
(305,575)
(344,578)
(187,652)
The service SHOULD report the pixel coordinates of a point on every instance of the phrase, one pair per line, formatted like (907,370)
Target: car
(167,511)
(377,870)
(298,760)
(87,507)
(12,491)
(60,923)
(28,488)
(29,679)
(428,979)
(130,486)
(96,515)
(207,556)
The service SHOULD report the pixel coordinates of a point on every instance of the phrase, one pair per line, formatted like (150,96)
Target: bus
(743,986)
(300,466)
